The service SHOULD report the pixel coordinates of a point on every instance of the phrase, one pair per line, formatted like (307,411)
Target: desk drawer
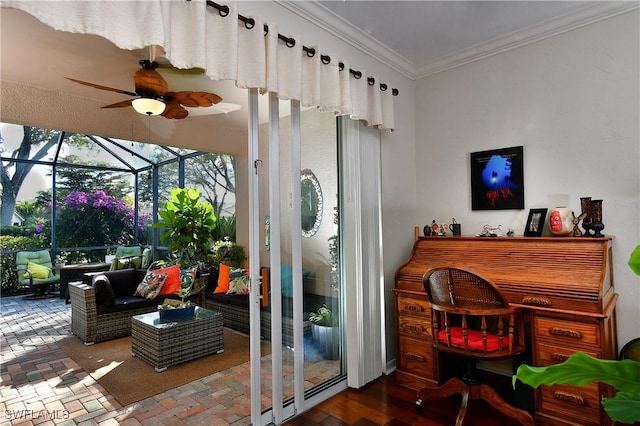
(567,332)
(417,357)
(551,354)
(413,305)
(577,404)
(414,326)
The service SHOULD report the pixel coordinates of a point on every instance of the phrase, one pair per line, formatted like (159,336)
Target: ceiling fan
(153,96)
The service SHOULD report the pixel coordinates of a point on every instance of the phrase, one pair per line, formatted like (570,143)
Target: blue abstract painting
(497,179)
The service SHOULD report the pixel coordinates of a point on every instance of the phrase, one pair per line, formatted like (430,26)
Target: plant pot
(177,313)
(327,340)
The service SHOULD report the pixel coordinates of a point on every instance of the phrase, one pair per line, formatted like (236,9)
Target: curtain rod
(249,23)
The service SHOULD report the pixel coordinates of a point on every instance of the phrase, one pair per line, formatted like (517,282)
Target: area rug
(129,379)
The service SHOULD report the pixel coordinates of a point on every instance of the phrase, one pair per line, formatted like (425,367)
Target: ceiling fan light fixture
(148,106)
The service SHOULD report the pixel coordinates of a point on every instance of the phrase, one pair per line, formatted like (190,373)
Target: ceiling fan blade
(150,82)
(174,110)
(120,104)
(97,86)
(195,99)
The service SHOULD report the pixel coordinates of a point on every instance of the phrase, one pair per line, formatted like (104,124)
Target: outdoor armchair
(35,270)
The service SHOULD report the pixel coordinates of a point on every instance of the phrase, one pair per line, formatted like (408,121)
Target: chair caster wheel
(419,404)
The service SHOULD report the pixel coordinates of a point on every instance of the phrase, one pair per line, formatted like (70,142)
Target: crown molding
(584,16)
(315,13)
(326,19)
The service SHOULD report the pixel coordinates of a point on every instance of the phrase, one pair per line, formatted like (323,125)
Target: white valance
(196,35)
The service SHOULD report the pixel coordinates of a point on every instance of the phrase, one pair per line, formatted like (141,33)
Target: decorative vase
(596,217)
(561,221)
(585,205)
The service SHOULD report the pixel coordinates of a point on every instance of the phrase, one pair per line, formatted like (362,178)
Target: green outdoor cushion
(124,251)
(132,262)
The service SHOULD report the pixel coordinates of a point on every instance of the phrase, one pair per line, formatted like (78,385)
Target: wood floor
(382,402)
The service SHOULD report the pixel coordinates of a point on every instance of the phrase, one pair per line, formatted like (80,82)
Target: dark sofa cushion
(125,282)
(104,292)
(125,303)
(230,299)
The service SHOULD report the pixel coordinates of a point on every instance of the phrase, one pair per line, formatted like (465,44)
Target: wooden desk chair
(470,318)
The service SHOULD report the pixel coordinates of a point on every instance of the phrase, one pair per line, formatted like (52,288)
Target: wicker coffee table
(163,343)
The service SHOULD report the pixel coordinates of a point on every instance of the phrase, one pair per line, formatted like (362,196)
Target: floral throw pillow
(239,285)
(151,284)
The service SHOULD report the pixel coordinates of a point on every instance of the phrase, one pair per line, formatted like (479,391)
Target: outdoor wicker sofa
(93,321)
(90,325)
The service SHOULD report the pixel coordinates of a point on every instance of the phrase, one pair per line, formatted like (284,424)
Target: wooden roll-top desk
(564,286)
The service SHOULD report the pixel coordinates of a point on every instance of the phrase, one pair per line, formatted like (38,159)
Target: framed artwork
(497,179)
(535,222)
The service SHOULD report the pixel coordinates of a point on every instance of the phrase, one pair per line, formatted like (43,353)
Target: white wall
(573,102)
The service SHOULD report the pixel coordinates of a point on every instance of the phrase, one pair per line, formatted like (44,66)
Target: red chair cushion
(474,339)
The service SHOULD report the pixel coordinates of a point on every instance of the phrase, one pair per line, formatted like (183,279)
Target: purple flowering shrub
(95,219)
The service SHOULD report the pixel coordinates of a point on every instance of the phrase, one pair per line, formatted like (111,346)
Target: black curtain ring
(290,42)
(311,52)
(224,11)
(266,30)
(395,92)
(250,23)
(325,59)
(371,81)
(341,66)
(357,75)
(383,87)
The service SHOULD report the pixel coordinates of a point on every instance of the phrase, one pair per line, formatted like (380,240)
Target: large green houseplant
(581,369)
(188,224)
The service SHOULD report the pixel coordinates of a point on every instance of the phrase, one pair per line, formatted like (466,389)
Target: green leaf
(634,260)
(580,369)
(624,407)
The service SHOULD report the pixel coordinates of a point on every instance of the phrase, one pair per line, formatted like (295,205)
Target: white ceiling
(413,37)
(419,38)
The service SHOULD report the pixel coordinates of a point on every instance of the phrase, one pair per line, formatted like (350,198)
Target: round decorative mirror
(311,208)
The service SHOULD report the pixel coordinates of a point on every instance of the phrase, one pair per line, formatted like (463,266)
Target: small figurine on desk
(431,230)
(576,221)
(490,231)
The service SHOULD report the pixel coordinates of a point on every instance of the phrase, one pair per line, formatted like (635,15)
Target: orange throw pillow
(172,283)
(223,279)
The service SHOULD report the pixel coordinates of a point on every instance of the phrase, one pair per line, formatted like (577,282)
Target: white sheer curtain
(196,35)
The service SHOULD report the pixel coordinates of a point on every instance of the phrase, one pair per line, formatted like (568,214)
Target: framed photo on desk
(535,222)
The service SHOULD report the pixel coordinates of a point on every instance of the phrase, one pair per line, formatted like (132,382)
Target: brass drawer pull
(413,328)
(558,357)
(569,397)
(539,301)
(414,308)
(415,357)
(556,331)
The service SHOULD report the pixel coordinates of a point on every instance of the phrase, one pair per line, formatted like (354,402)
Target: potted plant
(325,332)
(188,224)
(228,252)
(581,369)
(174,308)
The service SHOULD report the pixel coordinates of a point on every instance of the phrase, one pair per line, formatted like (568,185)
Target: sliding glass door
(297,241)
